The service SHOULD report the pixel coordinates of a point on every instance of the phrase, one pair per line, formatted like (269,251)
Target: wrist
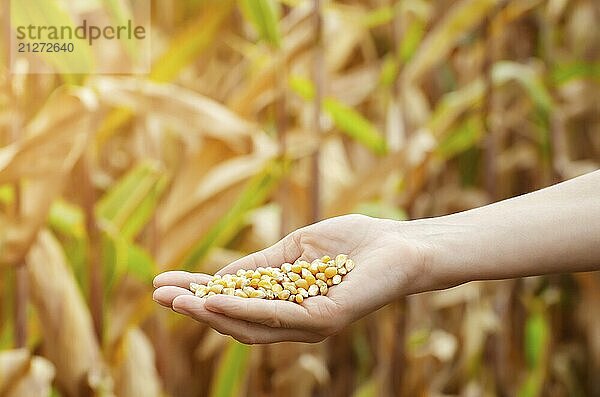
(447,247)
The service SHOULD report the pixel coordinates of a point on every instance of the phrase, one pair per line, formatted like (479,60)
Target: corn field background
(261,116)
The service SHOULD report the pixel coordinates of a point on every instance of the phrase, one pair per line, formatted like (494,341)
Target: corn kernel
(340,260)
(349,264)
(201,291)
(296,268)
(305,273)
(283,294)
(258,294)
(265,284)
(322,266)
(299,298)
(330,272)
(304,264)
(240,293)
(301,283)
(313,290)
(293,276)
(336,279)
(217,288)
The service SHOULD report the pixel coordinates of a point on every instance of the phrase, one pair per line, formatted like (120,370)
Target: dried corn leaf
(69,340)
(23,375)
(134,370)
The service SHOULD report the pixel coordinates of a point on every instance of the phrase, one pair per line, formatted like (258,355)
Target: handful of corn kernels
(291,282)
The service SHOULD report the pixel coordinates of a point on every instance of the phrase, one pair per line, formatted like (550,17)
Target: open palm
(385,263)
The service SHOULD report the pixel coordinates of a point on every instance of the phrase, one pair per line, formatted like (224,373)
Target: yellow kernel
(301,283)
(283,294)
(258,294)
(217,288)
(286,267)
(322,266)
(265,284)
(254,282)
(325,259)
(293,276)
(314,268)
(299,298)
(277,288)
(313,290)
(304,264)
(310,279)
(240,293)
(296,268)
(323,289)
(336,279)
(228,291)
(330,272)
(321,276)
(201,291)
(349,264)
(340,260)
(329,282)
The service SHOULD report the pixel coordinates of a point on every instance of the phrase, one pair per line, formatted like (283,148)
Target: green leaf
(231,371)
(124,257)
(255,193)
(7,194)
(50,13)
(264,16)
(565,72)
(130,203)
(369,388)
(461,138)
(537,345)
(355,125)
(193,39)
(302,86)
(379,16)
(537,333)
(389,71)
(411,40)
(67,219)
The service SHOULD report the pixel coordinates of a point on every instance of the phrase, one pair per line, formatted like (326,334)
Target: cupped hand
(388,259)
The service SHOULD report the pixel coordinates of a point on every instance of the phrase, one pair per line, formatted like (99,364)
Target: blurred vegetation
(260,116)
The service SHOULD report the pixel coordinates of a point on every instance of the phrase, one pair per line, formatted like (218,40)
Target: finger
(243,331)
(285,250)
(180,279)
(275,313)
(165,295)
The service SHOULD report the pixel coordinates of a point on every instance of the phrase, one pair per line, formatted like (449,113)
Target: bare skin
(552,230)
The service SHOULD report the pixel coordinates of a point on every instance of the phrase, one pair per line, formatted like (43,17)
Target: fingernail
(179,310)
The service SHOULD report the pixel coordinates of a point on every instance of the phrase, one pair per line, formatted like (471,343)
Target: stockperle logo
(80,36)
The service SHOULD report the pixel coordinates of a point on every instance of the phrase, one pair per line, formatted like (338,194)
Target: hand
(388,262)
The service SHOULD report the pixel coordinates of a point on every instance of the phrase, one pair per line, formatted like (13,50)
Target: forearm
(552,230)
